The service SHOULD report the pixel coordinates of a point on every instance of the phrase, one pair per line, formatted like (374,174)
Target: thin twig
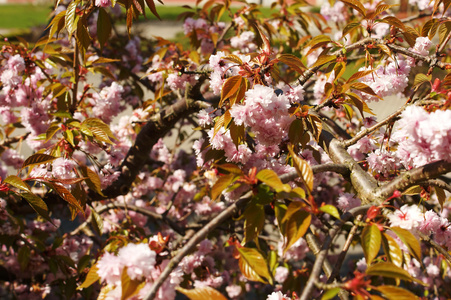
(344,251)
(336,168)
(436,246)
(373,128)
(317,266)
(196,239)
(437,183)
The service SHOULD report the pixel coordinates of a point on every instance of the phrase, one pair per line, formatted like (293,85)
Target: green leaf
(393,292)
(295,223)
(392,250)
(221,184)
(38,205)
(96,222)
(409,240)
(70,21)
(421,78)
(100,135)
(17,183)
(350,27)
(324,59)
(441,196)
(388,269)
(91,278)
(371,242)
(70,137)
(302,168)
(67,196)
(355,4)
(331,210)
(37,159)
(253,266)
(330,294)
(92,179)
(23,256)
(254,220)
(292,61)
(202,293)
(103,27)
(270,178)
(129,287)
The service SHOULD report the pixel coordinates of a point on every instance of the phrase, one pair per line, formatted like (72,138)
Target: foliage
(285,155)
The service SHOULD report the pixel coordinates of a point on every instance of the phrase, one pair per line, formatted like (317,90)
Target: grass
(23,16)
(26,16)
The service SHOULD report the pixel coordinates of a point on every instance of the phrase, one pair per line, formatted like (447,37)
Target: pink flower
(110,268)
(407,217)
(281,274)
(278,296)
(63,168)
(139,260)
(16,63)
(103,3)
(233,291)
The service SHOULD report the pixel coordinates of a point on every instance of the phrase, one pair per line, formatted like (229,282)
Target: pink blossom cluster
(223,68)
(265,114)
(203,32)
(386,80)
(412,217)
(423,137)
(336,13)
(244,42)
(106,104)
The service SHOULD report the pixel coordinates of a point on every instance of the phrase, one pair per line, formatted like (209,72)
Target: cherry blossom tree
(276,168)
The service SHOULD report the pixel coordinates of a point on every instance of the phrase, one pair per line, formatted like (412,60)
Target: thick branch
(196,239)
(363,183)
(156,128)
(413,177)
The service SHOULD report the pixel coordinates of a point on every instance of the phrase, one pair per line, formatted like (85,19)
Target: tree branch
(196,239)
(413,177)
(336,168)
(158,126)
(316,270)
(144,211)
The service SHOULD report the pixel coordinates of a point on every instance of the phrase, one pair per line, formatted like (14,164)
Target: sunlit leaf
(129,287)
(221,184)
(331,210)
(295,222)
(253,265)
(17,183)
(371,242)
(356,5)
(388,269)
(396,293)
(91,278)
(302,168)
(392,250)
(270,178)
(409,240)
(202,293)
